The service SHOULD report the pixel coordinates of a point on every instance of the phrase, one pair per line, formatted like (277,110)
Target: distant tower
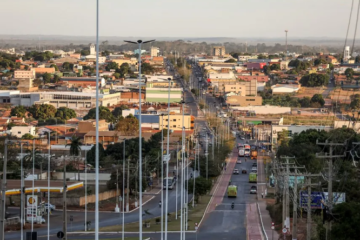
(347,54)
(286,31)
(92,49)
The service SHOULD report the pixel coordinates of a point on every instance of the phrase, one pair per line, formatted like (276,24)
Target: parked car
(49,205)
(236,171)
(253,190)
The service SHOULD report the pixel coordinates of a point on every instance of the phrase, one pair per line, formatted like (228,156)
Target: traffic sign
(272,225)
(60,234)
(284,230)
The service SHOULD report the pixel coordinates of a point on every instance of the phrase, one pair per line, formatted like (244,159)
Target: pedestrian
(262,195)
(174,172)
(159,204)
(225,167)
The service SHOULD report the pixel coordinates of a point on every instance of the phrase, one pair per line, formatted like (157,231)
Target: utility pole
(286,200)
(309,185)
(3,191)
(127,186)
(64,204)
(330,157)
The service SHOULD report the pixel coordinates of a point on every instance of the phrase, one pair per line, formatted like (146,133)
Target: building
(267,109)
(243,101)
(82,81)
(154,51)
(255,65)
(285,88)
(292,129)
(19,131)
(86,126)
(136,51)
(92,49)
(161,94)
(219,51)
(176,122)
(253,77)
(347,55)
(26,85)
(130,61)
(249,88)
(21,74)
(42,70)
(73,100)
(150,121)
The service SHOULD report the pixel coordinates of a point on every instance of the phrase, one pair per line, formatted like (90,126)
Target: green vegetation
(349,73)
(104,113)
(290,101)
(128,126)
(315,80)
(195,215)
(42,111)
(39,56)
(65,113)
(355,102)
(202,187)
(18,111)
(299,65)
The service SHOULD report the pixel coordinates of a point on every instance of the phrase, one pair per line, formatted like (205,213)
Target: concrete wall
(74,176)
(265,109)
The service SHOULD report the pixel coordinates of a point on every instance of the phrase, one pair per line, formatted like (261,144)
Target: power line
(347,32)
(356,23)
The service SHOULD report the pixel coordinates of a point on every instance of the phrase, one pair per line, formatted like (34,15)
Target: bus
(232,191)
(252,177)
(170,183)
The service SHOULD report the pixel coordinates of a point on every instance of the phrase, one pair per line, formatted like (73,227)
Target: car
(238,161)
(243,171)
(242,138)
(204,129)
(254,164)
(254,168)
(49,205)
(253,190)
(254,171)
(236,171)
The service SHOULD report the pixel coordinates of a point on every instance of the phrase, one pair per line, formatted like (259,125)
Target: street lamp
(162,176)
(167,164)
(139,43)
(123,194)
(48,177)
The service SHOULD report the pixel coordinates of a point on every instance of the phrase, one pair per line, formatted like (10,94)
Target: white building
(292,129)
(285,88)
(347,54)
(267,109)
(19,131)
(92,49)
(154,51)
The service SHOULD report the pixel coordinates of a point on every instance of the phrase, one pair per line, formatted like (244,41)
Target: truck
(241,152)
(254,154)
(252,177)
(232,191)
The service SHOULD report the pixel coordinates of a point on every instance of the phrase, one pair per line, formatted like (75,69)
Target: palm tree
(28,159)
(75,148)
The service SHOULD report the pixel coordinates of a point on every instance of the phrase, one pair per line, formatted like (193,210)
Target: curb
(261,221)
(127,232)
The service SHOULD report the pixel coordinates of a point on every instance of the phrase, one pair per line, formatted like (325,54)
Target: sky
(179,18)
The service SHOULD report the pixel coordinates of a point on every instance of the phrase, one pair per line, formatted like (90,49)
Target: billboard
(338,197)
(300,180)
(316,199)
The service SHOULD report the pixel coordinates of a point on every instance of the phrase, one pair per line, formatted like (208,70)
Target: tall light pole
(86,225)
(22,193)
(123,195)
(48,207)
(139,43)
(162,176)
(167,164)
(97,129)
(286,46)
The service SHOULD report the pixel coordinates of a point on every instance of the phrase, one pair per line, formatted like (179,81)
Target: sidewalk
(253,225)
(265,216)
(222,183)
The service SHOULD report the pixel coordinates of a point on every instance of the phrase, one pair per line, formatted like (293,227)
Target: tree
(27,136)
(357,59)
(128,126)
(116,75)
(18,111)
(112,66)
(318,98)
(54,66)
(65,113)
(355,102)
(43,111)
(67,66)
(202,186)
(46,77)
(349,73)
(90,156)
(305,102)
(347,221)
(319,61)
(104,113)
(37,82)
(275,67)
(146,68)
(261,56)
(117,112)
(85,52)
(314,80)
(231,60)
(56,78)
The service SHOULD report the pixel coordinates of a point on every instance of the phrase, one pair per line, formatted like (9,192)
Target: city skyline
(228,18)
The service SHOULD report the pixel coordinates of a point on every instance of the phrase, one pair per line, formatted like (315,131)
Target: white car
(49,205)
(238,161)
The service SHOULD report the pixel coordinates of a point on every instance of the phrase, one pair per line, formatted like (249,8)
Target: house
(17,120)
(19,131)
(285,88)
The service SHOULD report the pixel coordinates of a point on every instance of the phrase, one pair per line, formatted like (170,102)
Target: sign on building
(338,197)
(300,180)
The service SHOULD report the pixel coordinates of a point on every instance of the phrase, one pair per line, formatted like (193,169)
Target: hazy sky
(179,18)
